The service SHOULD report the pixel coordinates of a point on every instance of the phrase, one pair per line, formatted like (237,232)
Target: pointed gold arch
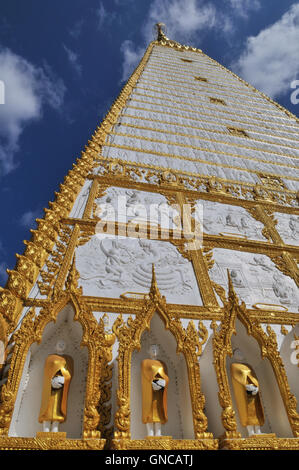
(189,342)
(269,349)
(94,338)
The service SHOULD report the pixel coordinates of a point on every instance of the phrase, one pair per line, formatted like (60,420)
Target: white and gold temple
(90,297)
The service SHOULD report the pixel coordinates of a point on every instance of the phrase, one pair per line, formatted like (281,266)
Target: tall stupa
(156,304)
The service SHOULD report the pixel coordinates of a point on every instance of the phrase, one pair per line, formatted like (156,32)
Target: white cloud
(105,18)
(185,19)
(73,59)
(102,15)
(270,59)
(131,58)
(244,7)
(28,218)
(27,90)
(76,30)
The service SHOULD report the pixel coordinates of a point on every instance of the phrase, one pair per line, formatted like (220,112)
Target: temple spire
(160,29)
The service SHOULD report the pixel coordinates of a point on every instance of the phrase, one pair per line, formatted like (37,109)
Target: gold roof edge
(163,40)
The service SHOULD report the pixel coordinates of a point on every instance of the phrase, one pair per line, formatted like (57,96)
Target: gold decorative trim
(124,171)
(38,443)
(262,442)
(94,338)
(269,349)
(165,444)
(188,342)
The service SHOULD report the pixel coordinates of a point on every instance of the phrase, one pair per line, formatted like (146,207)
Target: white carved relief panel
(141,207)
(256,279)
(111,266)
(226,220)
(288,227)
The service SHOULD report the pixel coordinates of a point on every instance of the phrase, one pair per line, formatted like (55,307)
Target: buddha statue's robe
(154,402)
(54,401)
(249,406)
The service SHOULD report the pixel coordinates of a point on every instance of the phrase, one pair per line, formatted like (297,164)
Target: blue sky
(64,62)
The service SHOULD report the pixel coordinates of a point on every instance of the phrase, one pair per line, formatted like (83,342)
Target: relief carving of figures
(255,278)
(288,228)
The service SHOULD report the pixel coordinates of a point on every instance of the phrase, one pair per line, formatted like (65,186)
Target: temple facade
(156,304)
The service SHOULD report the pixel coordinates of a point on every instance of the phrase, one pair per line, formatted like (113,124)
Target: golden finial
(160,29)
(154,290)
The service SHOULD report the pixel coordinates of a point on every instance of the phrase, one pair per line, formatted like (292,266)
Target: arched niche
(291,364)
(27,406)
(209,387)
(276,419)
(180,419)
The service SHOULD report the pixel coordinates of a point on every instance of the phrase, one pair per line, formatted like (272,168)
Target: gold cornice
(163,40)
(232,143)
(199,160)
(128,171)
(224,118)
(213,240)
(51,443)
(188,126)
(191,312)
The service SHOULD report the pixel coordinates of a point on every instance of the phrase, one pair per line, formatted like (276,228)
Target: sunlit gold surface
(154,402)
(249,406)
(54,401)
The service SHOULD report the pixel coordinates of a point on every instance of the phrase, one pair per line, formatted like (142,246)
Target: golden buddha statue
(154,381)
(58,372)
(246,391)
